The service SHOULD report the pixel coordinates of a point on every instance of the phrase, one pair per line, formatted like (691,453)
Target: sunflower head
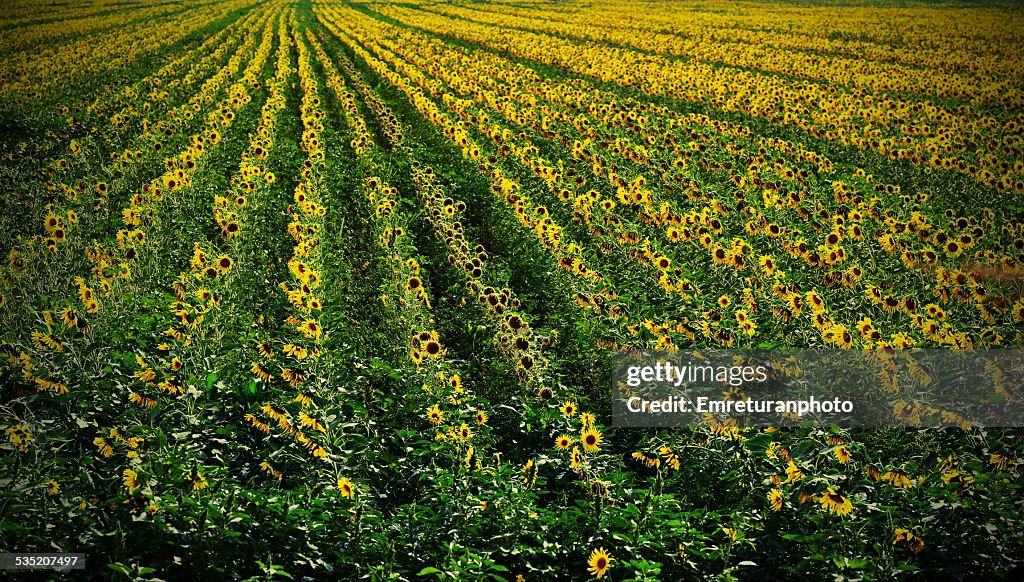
(591,439)
(346,488)
(599,562)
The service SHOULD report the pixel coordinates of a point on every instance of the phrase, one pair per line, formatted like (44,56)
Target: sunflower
(481,417)
(568,408)
(51,222)
(130,480)
(526,361)
(259,371)
(914,543)
(564,442)
(435,415)
(775,499)
(224,263)
(842,454)
(591,439)
(1002,462)
(897,479)
(651,462)
(69,317)
(835,503)
(867,329)
(890,304)
(577,459)
(587,418)
(793,473)
(198,481)
(346,488)
(599,562)
(748,327)
(720,255)
(433,348)
(529,467)
(265,350)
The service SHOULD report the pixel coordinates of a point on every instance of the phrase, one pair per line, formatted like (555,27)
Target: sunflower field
(328,289)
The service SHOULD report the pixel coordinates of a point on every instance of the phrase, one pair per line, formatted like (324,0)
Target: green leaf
(858,563)
(120,568)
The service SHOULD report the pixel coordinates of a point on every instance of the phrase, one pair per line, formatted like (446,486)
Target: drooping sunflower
(130,479)
(914,543)
(842,454)
(69,317)
(897,479)
(599,563)
(793,473)
(265,350)
(834,502)
(587,418)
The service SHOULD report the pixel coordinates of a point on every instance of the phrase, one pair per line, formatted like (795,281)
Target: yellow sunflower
(346,488)
(599,563)
(834,502)
(591,439)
